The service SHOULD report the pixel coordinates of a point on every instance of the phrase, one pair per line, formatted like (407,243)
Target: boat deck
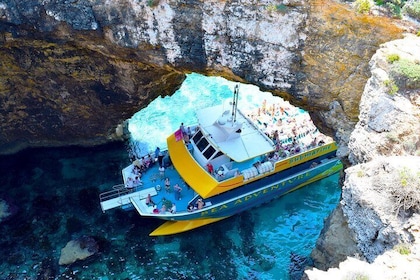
(153,183)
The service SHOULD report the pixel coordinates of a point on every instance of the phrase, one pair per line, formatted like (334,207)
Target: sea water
(55,197)
(150,126)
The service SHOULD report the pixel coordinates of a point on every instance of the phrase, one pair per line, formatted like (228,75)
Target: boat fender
(158,188)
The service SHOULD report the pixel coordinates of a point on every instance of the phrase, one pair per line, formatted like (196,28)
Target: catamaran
(227,162)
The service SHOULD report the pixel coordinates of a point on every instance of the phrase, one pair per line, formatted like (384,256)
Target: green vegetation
(407,72)
(391,86)
(356,276)
(412,9)
(279,8)
(398,7)
(394,7)
(406,190)
(152,3)
(363,6)
(392,57)
(393,137)
(403,248)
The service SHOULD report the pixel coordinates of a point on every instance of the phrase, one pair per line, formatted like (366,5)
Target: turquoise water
(150,127)
(55,192)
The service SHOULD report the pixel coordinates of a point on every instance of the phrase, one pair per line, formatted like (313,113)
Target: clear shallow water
(56,192)
(150,127)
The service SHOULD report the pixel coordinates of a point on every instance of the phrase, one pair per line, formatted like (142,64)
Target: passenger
(160,159)
(190,207)
(149,201)
(157,151)
(161,172)
(200,203)
(314,142)
(190,147)
(129,185)
(177,190)
(173,209)
(186,138)
(220,173)
(137,181)
(167,185)
(210,168)
(136,168)
(182,127)
(147,161)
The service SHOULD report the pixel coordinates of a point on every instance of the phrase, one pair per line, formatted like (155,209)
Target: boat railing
(117,191)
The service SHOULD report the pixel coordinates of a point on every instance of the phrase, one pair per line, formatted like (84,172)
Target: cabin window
(209,152)
(197,136)
(202,144)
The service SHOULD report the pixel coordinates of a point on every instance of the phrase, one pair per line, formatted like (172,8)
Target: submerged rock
(297,266)
(78,249)
(7,209)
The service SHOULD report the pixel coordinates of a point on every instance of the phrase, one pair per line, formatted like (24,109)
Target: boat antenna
(235,102)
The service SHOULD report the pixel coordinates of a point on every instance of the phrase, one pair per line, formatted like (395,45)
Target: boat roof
(221,129)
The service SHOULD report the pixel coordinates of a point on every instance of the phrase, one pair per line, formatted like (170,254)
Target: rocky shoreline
(374,232)
(71,73)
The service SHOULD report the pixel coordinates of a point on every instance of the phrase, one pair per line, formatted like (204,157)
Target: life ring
(158,188)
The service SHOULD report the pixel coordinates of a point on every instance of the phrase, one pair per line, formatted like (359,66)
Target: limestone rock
(379,208)
(388,123)
(78,249)
(72,71)
(335,243)
(371,202)
(388,245)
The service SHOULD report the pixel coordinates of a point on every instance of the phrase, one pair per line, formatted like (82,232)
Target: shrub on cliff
(405,189)
(362,6)
(406,73)
(412,9)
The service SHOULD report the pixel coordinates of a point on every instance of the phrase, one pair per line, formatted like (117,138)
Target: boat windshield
(203,145)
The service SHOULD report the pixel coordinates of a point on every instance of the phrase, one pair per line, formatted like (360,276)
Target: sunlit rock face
(379,210)
(72,70)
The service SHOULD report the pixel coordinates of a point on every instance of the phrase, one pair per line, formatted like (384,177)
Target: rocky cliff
(378,218)
(71,71)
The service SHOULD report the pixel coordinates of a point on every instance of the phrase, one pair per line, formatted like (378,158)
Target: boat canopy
(233,134)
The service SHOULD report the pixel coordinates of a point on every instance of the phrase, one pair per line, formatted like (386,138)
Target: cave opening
(149,127)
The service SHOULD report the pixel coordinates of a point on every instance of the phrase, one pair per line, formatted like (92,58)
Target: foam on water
(150,126)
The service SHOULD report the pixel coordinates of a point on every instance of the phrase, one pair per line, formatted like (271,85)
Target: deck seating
(265,167)
(249,173)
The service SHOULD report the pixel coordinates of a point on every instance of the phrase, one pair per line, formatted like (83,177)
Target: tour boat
(227,162)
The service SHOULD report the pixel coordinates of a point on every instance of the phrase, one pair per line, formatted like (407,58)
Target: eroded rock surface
(381,194)
(78,249)
(72,71)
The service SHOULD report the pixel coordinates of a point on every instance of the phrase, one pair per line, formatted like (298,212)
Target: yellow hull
(173,227)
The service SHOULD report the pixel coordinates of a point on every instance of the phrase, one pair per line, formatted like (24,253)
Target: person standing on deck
(157,152)
(182,127)
(177,190)
(167,185)
(173,209)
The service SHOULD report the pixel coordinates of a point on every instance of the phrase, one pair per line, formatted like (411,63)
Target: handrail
(117,191)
